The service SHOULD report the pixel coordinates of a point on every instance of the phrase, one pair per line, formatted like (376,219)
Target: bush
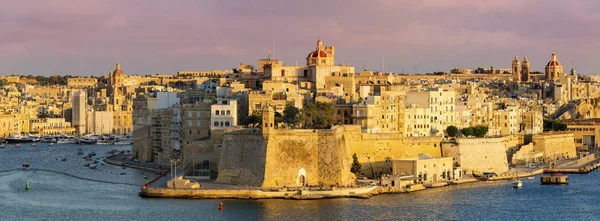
(468,131)
(452,130)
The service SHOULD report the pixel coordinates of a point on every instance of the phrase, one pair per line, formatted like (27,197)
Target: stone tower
(526,70)
(516,69)
(268,120)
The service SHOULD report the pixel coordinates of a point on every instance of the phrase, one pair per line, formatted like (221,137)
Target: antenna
(273,49)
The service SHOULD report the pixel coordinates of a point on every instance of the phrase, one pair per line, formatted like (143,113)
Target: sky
(87,37)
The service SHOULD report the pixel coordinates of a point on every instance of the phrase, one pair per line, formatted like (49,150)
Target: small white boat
(93,166)
(51,144)
(517,183)
(530,178)
(33,145)
(17,145)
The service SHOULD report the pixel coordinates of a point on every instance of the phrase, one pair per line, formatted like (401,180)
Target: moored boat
(517,183)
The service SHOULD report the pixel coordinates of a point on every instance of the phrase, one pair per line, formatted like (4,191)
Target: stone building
(82,82)
(224,114)
(319,64)
(79,112)
(425,168)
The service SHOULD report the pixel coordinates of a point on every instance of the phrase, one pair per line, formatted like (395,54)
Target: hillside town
(322,123)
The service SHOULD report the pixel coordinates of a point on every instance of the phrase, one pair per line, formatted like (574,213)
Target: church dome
(553,63)
(118,70)
(318,54)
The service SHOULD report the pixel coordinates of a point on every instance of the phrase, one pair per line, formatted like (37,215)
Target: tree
(548,124)
(554,125)
(468,131)
(318,115)
(278,118)
(452,130)
(355,165)
(559,126)
(291,115)
(253,119)
(478,132)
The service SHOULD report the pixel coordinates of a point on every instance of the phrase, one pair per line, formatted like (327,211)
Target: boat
(124,167)
(93,166)
(25,165)
(17,145)
(33,145)
(79,151)
(51,144)
(530,178)
(17,139)
(556,178)
(63,158)
(1,145)
(86,165)
(517,183)
(66,140)
(87,140)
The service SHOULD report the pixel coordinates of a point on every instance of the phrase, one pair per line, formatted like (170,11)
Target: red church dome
(553,63)
(319,54)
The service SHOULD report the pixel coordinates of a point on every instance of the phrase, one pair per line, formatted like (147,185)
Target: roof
(318,53)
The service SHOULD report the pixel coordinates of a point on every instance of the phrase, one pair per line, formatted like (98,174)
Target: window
(189,123)
(217,112)
(305,73)
(227,123)
(323,61)
(216,123)
(222,112)
(257,106)
(197,123)
(190,114)
(228,112)
(282,72)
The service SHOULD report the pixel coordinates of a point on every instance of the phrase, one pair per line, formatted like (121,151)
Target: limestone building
(224,114)
(319,64)
(79,112)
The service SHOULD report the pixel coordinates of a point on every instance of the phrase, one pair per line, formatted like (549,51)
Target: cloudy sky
(82,37)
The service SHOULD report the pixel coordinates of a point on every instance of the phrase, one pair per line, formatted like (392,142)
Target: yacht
(16,138)
(87,140)
(93,166)
(65,139)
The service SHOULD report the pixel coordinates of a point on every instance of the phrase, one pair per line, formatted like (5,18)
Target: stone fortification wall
(323,157)
(372,149)
(478,154)
(555,144)
(242,158)
(291,153)
(334,158)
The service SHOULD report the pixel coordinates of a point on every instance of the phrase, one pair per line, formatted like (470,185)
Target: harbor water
(67,190)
